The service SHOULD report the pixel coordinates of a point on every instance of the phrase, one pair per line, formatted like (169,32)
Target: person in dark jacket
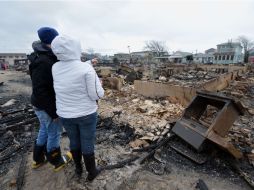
(43,99)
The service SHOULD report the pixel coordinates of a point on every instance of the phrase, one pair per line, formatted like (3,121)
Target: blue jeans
(49,132)
(81,132)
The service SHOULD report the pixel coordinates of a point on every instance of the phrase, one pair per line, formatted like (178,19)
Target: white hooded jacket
(76,83)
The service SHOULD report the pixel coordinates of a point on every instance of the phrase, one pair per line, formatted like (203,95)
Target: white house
(229,52)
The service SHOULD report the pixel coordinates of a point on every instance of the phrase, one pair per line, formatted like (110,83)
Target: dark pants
(81,132)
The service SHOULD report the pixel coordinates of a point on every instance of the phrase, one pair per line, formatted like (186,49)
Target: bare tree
(159,47)
(247,45)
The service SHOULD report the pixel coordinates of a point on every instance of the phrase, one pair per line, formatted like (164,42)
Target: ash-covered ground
(130,128)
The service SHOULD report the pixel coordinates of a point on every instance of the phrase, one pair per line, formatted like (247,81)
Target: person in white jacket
(77,89)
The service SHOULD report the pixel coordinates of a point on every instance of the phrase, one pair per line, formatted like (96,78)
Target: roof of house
(137,52)
(211,49)
(11,54)
(179,54)
(231,43)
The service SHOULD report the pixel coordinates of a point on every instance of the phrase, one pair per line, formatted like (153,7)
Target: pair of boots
(39,158)
(89,160)
(54,157)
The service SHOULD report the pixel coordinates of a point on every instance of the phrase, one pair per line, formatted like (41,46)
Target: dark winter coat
(43,94)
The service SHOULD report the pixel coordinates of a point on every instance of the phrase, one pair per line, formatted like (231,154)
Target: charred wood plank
(235,165)
(15,119)
(159,145)
(201,185)
(147,156)
(12,119)
(4,114)
(120,164)
(9,154)
(2,129)
(144,149)
(197,159)
(21,171)
(17,125)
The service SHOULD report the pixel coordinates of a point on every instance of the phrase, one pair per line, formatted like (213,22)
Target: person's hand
(94,61)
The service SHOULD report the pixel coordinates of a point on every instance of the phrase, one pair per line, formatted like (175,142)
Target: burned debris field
(127,95)
(178,127)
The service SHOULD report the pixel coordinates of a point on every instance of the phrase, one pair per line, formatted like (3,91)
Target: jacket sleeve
(31,59)
(30,71)
(89,62)
(93,85)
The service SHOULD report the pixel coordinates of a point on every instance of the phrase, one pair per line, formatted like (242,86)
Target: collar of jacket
(40,47)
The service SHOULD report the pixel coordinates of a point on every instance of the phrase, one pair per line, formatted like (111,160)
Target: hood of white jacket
(66,48)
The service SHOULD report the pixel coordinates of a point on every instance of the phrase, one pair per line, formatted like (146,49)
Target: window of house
(16,56)
(223,57)
(215,58)
(227,57)
(232,57)
(10,56)
(219,57)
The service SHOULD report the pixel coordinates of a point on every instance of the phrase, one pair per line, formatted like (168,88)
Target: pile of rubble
(242,133)
(192,78)
(150,118)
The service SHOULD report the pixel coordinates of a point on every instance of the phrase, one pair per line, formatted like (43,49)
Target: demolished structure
(151,126)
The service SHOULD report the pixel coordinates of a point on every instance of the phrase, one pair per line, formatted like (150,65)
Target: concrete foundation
(156,89)
(185,94)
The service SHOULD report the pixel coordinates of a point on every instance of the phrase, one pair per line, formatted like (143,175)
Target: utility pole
(129,48)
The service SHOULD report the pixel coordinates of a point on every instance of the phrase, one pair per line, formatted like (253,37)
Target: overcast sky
(110,26)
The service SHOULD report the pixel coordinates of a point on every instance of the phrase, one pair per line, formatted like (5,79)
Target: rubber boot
(77,157)
(58,160)
(38,156)
(91,168)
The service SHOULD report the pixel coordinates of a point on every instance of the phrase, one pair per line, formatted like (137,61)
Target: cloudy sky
(110,26)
